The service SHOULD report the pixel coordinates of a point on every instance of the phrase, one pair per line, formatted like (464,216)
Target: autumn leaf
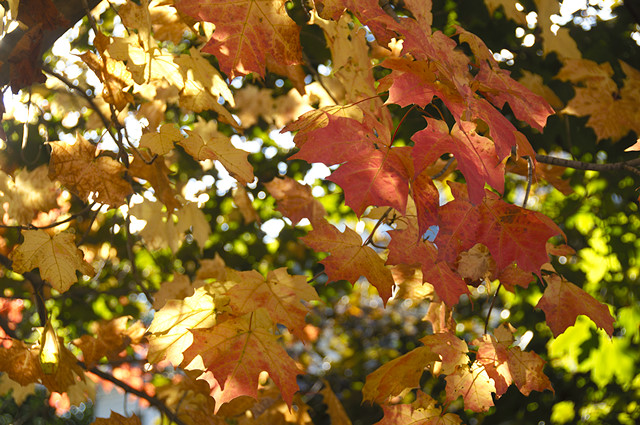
(161,142)
(57,258)
(511,233)
(169,330)
(111,338)
(441,353)
(76,166)
(27,193)
(219,147)
(476,155)
(398,375)
(372,172)
(407,247)
(562,302)
(507,364)
(473,384)
(280,294)
(117,419)
(334,407)
(295,200)
(422,411)
(237,350)
(246,32)
(349,259)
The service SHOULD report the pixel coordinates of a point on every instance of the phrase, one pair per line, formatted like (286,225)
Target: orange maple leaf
(349,259)
(236,351)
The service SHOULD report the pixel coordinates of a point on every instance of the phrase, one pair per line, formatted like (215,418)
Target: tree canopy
(328,212)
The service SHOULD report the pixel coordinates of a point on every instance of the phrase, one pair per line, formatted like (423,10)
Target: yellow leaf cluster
(612,111)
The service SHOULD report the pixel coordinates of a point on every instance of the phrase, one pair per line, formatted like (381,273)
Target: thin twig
(36,283)
(444,169)
(380,221)
(85,96)
(49,226)
(129,389)
(486,322)
(529,180)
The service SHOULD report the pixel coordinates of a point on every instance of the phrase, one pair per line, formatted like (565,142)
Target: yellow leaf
(57,257)
(169,330)
(30,192)
(161,142)
(116,419)
(219,148)
(191,217)
(19,392)
(76,166)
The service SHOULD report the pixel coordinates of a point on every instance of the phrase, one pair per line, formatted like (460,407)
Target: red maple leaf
(407,247)
(511,233)
(372,172)
(476,154)
(562,302)
(247,31)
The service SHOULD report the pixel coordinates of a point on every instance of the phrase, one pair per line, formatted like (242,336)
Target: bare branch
(630,165)
(128,388)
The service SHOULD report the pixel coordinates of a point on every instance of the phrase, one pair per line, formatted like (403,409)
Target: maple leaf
(562,302)
(115,77)
(237,350)
(372,172)
(422,411)
(219,147)
(399,375)
(169,330)
(349,259)
(157,175)
(442,353)
(160,231)
(507,364)
(57,258)
(245,206)
(192,217)
(426,198)
(279,294)
(117,419)
(247,32)
(407,247)
(335,409)
(473,384)
(476,154)
(77,167)
(161,142)
(28,193)
(19,392)
(295,200)
(511,233)
(111,338)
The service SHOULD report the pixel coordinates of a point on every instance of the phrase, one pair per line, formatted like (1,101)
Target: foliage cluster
(336,211)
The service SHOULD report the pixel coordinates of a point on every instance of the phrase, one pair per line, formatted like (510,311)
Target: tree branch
(630,165)
(128,388)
